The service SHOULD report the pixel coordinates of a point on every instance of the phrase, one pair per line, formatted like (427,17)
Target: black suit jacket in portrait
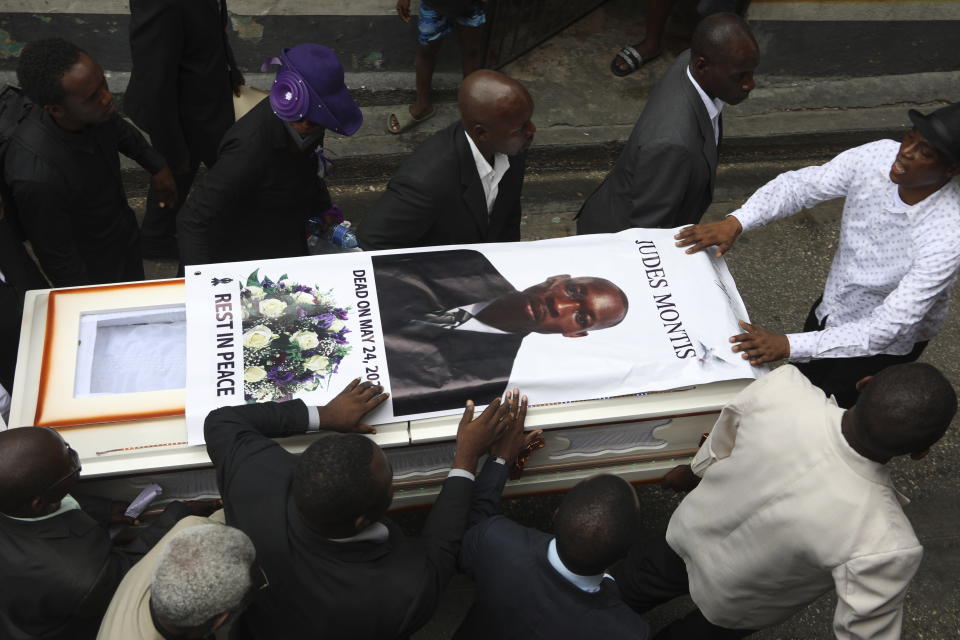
(318,588)
(255,201)
(60,573)
(665,175)
(518,592)
(432,368)
(436,198)
(179,89)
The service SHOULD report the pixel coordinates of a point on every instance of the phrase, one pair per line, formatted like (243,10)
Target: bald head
(496,113)
(34,461)
(723,57)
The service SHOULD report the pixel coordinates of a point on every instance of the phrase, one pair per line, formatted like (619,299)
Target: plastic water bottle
(336,239)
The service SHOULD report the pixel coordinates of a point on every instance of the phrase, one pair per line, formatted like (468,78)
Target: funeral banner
(568,319)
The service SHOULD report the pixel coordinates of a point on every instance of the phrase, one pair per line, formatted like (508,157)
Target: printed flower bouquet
(294,338)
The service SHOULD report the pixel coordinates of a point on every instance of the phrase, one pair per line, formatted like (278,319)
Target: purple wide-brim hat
(309,85)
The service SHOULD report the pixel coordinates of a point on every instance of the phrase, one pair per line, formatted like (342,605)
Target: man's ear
(479,132)
(219,620)
(361,523)
(54,110)
(863,382)
(578,334)
(920,455)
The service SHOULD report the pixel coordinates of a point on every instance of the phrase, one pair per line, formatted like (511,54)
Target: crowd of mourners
(788,498)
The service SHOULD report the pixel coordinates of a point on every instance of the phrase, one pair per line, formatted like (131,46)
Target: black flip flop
(631,58)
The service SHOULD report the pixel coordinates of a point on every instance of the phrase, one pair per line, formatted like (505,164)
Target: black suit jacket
(318,588)
(436,198)
(59,574)
(255,201)
(432,368)
(179,89)
(20,274)
(519,594)
(664,177)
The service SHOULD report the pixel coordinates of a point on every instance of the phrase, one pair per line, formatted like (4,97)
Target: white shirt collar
(489,176)
(377,532)
(473,324)
(713,107)
(590,584)
(68,503)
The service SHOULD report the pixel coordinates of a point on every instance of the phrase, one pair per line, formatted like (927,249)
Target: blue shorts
(432,26)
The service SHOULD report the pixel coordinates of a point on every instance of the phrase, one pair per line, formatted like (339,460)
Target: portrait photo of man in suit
(453,325)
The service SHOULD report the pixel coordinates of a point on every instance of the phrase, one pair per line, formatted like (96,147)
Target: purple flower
(340,313)
(278,376)
(339,337)
(324,320)
(300,287)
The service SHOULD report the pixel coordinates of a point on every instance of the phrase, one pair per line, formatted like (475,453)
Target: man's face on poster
(561,304)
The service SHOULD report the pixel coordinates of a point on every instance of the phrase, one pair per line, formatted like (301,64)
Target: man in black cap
(268,178)
(898,256)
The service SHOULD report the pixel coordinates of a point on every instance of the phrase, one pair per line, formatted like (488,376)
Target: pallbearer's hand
(475,436)
(516,442)
(344,412)
(165,187)
(721,234)
(760,346)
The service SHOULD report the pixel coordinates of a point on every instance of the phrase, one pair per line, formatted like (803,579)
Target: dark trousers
(10,314)
(653,574)
(158,233)
(839,376)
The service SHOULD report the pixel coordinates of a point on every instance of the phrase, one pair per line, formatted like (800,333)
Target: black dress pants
(839,376)
(653,574)
(10,314)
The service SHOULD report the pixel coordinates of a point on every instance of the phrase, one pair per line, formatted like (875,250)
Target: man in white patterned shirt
(889,286)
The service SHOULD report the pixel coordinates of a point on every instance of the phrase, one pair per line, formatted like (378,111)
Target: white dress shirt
(714,107)
(889,285)
(788,510)
(473,324)
(489,176)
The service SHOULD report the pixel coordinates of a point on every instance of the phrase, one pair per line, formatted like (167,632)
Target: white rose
(256,293)
(263,395)
(303,297)
(258,337)
(316,364)
(336,325)
(272,308)
(254,374)
(305,339)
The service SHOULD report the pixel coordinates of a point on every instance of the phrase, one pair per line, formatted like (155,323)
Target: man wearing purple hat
(268,177)
(889,286)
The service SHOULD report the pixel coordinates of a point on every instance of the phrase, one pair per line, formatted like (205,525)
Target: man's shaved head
(723,57)
(33,461)
(496,112)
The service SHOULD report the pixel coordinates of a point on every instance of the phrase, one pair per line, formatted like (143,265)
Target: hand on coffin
(203,508)
(165,187)
(118,511)
(721,234)
(681,478)
(236,81)
(344,412)
(760,346)
(475,437)
(516,445)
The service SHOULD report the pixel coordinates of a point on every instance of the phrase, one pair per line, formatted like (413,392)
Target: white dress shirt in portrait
(713,107)
(489,176)
(890,281)
(787,511)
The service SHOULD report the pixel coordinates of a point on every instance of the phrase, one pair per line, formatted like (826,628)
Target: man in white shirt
(462,184)
(665,175)
(899,251)
(796,500)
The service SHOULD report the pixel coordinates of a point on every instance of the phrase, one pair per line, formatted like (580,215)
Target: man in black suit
(62,166)
(530,584)
(452,324)
(60,567)
(461,185)
(180,93)
(268,179)
(665,175)
(336,566)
